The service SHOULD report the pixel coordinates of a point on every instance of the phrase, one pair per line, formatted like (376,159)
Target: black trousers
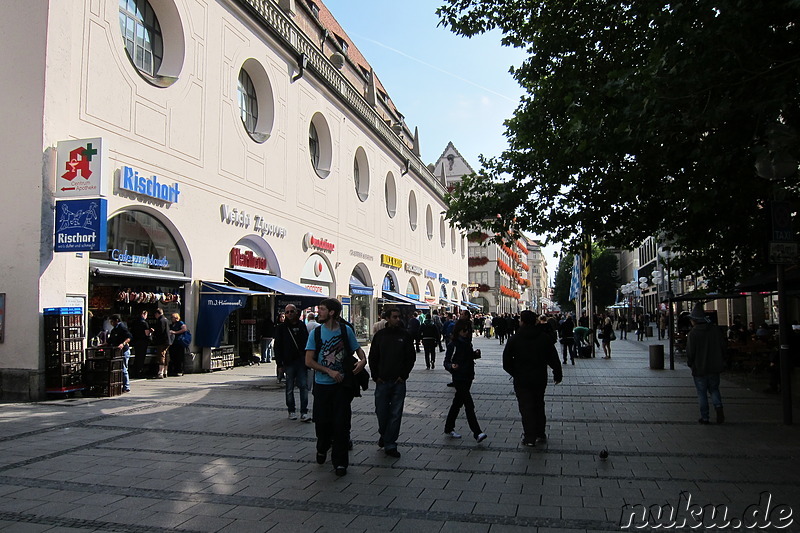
(177,355)
(430,352)
(531,407)
(332,415)
(462,398)
(140,355)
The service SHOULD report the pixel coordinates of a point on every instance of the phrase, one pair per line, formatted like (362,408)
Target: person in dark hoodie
(526,358)
(430,339)
(460,362)
(391,358)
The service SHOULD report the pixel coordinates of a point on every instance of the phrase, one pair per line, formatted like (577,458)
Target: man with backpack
(329,352)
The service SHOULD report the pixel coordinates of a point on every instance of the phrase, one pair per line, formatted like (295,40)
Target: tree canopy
(641,119)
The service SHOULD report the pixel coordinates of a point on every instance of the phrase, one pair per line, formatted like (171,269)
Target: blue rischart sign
(131,180)
(81,225)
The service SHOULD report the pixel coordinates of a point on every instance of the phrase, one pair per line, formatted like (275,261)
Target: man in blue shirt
(329,352)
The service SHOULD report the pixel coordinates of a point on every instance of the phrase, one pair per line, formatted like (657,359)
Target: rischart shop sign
(81,225)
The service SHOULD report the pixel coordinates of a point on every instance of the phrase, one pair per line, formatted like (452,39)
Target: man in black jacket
(391,358)
(291,337)
(526,358)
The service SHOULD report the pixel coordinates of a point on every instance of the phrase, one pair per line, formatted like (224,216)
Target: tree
(604,279)
(561,284)
(640,119)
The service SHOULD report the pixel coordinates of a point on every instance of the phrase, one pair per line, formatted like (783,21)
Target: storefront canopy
(404,300)
(445,301)
(474,306)
(360,289)
(217,301)
(273,285)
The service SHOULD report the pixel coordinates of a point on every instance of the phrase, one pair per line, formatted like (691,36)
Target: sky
(450,87)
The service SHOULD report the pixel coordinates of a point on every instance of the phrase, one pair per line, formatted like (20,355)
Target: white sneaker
(305,417)
(454,435)
(481,437)
(292,416)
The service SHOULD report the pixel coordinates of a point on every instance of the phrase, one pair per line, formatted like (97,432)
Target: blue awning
(404,300)
(474,306)
(288,292)
(217,301)
(360,289)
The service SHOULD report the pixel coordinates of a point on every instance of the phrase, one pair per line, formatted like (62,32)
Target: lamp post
(777,164)
(666,253)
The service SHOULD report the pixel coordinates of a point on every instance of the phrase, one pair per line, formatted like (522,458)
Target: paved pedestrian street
(216,452)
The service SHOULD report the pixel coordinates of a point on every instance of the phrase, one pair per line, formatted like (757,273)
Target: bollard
(657,356)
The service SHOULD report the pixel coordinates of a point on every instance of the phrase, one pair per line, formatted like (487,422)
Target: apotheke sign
(241,218)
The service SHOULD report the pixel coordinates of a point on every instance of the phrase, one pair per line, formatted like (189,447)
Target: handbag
(613,336)
(186,338)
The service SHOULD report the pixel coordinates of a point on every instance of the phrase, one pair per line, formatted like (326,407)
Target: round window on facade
(390,192)
(319,145)
(442,232)
(429,222)
(153,39)
(255,100)
(412,210)
(361,174)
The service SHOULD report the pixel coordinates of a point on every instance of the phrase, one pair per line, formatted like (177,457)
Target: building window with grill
(141,33)
(248,102)
(313,145)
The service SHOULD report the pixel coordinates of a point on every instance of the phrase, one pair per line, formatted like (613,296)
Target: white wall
(190,133)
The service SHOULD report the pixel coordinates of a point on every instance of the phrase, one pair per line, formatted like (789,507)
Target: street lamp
(667,255)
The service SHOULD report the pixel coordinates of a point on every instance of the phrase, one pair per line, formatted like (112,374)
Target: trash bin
(649,331)
(657,357)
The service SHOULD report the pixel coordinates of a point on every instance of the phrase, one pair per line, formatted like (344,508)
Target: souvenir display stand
(63,346)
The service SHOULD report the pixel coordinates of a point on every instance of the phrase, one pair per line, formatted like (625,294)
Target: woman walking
(460,362)
(607,336)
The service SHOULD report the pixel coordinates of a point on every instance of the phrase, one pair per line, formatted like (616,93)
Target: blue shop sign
(81,225)
(130,180)
(430,274)
(443,279)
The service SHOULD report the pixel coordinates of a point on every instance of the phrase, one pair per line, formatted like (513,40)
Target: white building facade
(232,152)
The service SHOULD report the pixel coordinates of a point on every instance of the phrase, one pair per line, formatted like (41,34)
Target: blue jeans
(389,398)
(266,350)
(706,385)
(126,380)
(296,374)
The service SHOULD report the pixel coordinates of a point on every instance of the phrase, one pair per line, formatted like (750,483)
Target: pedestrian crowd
(319,353)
